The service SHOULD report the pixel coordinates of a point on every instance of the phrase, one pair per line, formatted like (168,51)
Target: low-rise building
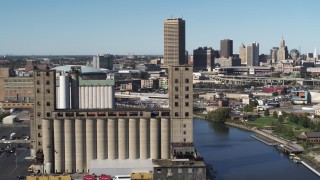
(311,137)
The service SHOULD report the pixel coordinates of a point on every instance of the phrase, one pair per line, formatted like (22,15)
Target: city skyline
(123,27)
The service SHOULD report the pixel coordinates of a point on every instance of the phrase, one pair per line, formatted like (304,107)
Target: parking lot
(13,160)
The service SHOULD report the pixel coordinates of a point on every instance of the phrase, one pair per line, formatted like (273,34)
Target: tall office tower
(243,54)
(253,54)
(315,54)
(174,42)
(181,103)
(274,54)
(203,59)
(103,61)
(283,50)
(226,48)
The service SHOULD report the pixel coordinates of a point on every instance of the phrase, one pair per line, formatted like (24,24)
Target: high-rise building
(274,54)
(315,54)
(103,61)
(174,42)
(283,50)
(226,48)
(253,54)
(243,54)
(203,59)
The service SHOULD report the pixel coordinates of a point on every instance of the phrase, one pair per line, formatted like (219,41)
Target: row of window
(177,104)
(176,96)
(38,90)
(47,82)
(177,69)
(176,114)
(177,81)
(185,88)
(48,114)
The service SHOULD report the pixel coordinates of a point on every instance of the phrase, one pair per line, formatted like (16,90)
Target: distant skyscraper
(203,59)
(103,61)
(174,42)
(315,54)
(226,48)
(243,54)
(283,50)
(253,54)
(274,54)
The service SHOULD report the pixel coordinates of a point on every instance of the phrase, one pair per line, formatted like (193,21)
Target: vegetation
(267,113)
(249,107)
(274,114)
(3,115)
(220,115)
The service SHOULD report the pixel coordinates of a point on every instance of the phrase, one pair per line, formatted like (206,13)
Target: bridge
(242,80)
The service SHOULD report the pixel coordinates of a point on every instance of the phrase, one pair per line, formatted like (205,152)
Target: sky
(88,27)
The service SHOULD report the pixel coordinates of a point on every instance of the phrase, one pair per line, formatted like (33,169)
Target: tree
(220,115)
(267,113)
(281,119)
(274,114)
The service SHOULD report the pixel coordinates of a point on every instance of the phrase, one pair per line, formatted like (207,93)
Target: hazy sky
(76,27)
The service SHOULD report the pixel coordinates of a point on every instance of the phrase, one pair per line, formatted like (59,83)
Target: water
(235,155)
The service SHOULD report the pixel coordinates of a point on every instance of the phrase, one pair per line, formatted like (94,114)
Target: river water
(234,154)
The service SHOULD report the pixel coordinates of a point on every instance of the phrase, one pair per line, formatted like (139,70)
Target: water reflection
(219,127)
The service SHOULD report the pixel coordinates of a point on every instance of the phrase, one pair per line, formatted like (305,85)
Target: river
(234,154)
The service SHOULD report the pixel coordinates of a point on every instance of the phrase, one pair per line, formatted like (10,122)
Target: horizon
(126,27)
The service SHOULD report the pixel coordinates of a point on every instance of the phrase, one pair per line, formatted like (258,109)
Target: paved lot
(13,164)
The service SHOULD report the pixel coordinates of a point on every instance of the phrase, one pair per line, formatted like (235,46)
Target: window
(39,143)
(189,170)
(186,88)
(176,96)
(48,103)
(47,73)
(38,90)
(39,114)
(186,80)
(39,134)
(184,132)
(176,88)
(39,126)
(176,81)
(187,69)
(186,114)
(186,96)
(176,69)
(38,73)
(179,170)
(184,125)
(158,170)
(47,82)
(39,103)
(48,90)
(176,104)
(176,114)
(186,104)
(184,140)
(38,82)
(48,114)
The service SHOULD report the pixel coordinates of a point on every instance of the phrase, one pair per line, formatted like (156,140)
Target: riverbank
(270,139)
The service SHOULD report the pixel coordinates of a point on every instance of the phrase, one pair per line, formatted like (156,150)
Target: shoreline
(309,165)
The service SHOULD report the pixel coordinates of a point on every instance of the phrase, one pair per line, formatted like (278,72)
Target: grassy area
(263,121)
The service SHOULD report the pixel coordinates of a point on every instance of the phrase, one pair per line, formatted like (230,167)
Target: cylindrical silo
(64,94)
(69,145)
(94,97)
(110,97)
(122,138)
(58,145)
(74,91)
(82,97)
(144,138)
(91,146)
(98,97)
(101,139)
(86,93)
(112,139)
(103,96)
(90,97)
(80,145)
(165,138)
(58,96)
(154,138)
(47,144)
(106,96)
(133,143)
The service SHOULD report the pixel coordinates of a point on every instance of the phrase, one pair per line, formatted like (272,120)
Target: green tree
(274,114)
(281,119)
(220,115)
(267,113)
